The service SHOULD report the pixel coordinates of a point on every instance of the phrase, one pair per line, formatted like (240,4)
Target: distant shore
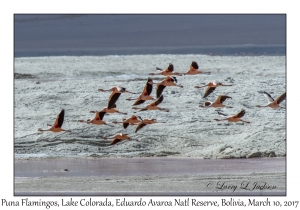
(254,50)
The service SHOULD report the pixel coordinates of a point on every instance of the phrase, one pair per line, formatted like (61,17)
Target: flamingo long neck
(131,99)
(45,130)
(261,106)
(221,119)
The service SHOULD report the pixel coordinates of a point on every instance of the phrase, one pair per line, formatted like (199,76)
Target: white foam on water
(189,131)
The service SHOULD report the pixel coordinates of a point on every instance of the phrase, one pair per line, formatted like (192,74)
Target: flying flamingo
(118,137)
(169,81)
(153,106)
(211,86)
(98,119)
(234,118)
(274,104)
(57,124)
(129,121)
(145,95)
(167,72)
(218,103)
(194,69)
(111,110)
(145,122)
(116,92)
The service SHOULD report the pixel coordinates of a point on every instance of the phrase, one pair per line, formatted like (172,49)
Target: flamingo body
(57,124)
(153,106)
(129,121)
(218,103)
(145,95)
(234,118)
(145,122)
(169,81)
(211,86)
(167,72)
(118,137)
(274,104)
(98,119)
(194,69)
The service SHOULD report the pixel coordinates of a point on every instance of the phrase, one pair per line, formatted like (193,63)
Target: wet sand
(150,176)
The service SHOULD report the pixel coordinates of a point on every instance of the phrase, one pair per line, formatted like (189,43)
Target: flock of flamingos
(170,80)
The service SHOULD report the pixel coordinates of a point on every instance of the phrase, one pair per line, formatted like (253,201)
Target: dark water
(98,34)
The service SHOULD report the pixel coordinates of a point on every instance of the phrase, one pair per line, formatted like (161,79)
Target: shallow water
(71,83)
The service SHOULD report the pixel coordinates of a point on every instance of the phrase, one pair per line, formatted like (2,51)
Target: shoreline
(125,166)
(220,50)
(151,176)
